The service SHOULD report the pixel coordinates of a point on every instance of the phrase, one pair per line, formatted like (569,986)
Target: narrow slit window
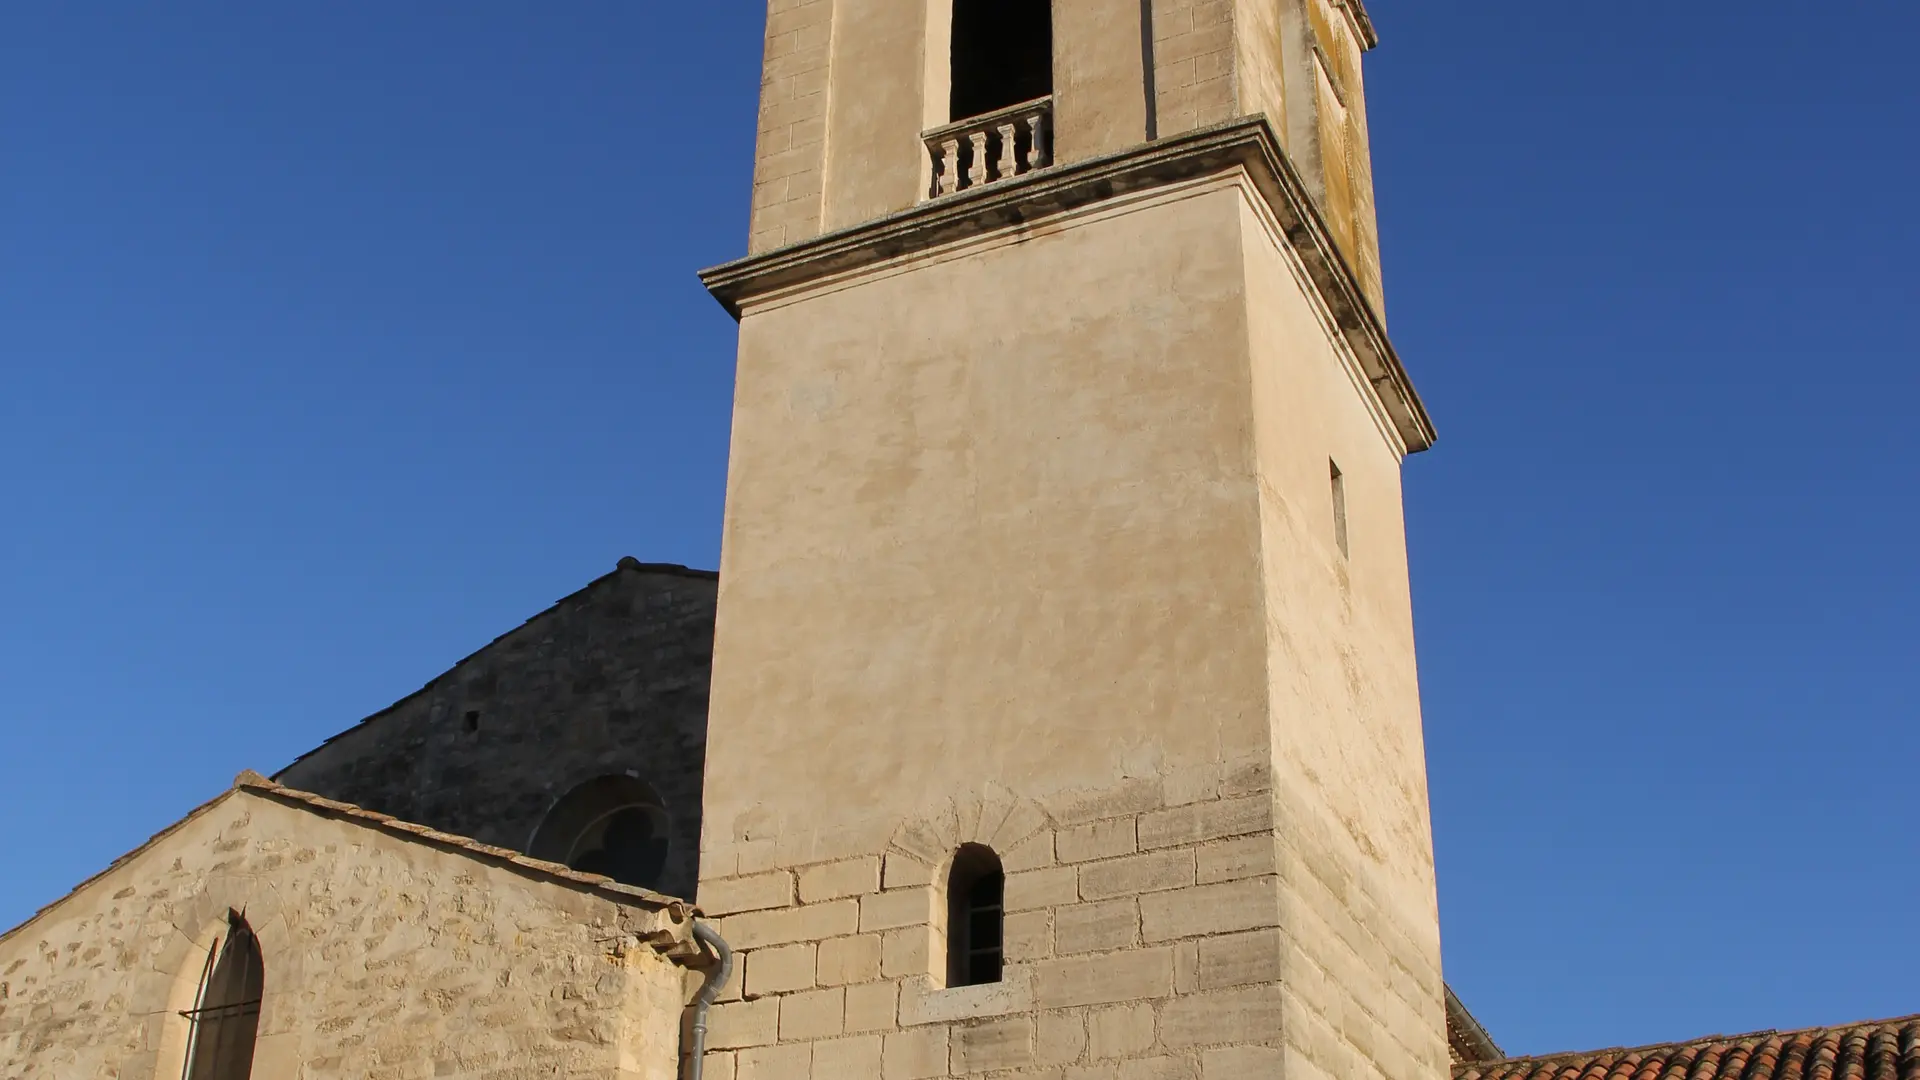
(976,920)
(1339,509)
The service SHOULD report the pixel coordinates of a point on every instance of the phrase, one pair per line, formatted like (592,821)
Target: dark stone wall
(611,680)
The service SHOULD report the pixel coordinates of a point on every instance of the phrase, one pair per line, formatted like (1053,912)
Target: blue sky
(336,339)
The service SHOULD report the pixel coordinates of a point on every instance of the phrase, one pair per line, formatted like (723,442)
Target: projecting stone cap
(1025,202)
(1362,22)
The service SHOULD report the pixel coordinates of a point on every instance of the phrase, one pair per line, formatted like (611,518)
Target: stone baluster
(977,171)
(1009,165)
(947,167)
(1037,128)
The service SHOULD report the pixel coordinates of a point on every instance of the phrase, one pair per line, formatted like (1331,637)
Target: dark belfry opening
(975,919)
(226,1016)
(1002,54)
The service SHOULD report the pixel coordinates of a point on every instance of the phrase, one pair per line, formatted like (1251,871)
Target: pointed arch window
(226,1012)
(976,921)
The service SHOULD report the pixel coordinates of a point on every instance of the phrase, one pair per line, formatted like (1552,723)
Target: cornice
(1362,23)
(1248,144)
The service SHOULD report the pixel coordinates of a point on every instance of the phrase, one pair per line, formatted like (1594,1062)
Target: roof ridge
(627,564)
(250,780)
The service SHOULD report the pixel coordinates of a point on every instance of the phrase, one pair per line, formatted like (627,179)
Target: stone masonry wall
(385,958)
(611,680)
(790,161)
(1193,64)
(1144,940)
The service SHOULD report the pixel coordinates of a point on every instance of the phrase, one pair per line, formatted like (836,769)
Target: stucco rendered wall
(612,680)
(384,958)
(1053,510)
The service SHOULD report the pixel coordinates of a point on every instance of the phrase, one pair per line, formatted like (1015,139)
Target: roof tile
(1872,1050)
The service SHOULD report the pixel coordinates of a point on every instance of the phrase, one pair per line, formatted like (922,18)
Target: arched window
(975,921)
(226,1012)
(1002,54)
(613,825)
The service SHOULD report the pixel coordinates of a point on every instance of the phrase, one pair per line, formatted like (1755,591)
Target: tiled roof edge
(677,908)
(1505,1065)
(675,942)
(116,864)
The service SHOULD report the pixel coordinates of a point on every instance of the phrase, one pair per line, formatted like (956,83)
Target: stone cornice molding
(1246,144)
(1362,23)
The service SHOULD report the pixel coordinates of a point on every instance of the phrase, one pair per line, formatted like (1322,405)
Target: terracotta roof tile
(1873,1050)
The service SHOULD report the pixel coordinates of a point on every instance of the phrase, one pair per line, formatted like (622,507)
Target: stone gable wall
(384,959)
(612,680)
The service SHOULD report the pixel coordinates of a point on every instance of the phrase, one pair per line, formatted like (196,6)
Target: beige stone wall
(383,959)
(1194,59)
(1099,82)
(1364,992)
(1029,542)
(790,160)
(849,85)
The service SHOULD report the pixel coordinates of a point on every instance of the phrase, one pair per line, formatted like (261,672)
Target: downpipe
(716,980)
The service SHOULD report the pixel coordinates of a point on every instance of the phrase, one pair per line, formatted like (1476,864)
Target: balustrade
(995,146)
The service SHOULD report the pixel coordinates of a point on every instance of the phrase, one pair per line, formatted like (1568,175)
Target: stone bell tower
(1064,716)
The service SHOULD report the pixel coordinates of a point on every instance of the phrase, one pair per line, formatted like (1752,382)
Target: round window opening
(612,825)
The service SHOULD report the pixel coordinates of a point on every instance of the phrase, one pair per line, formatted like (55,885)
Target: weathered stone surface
(1098,980)
(611,680)
(384,955)
(1000,1044)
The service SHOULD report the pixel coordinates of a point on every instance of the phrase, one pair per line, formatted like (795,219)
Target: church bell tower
(1064,717)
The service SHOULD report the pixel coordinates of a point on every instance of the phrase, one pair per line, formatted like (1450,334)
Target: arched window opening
(975,920)
(226,1012)
(1002,54)
(613,825)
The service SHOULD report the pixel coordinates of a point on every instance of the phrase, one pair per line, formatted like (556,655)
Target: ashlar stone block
(1200,822)
(1136,874)
(1120,1031)
(1101,927)
(815,1014)
(1205,910)
(915,1054)
(990,1047)
(744,1023)
(1098,840)
(831,881)
(1133,975)
(811,923)
(1042,888)
(779,970)
(873,1007)
(774,1062)
(847,1059)
(849,960)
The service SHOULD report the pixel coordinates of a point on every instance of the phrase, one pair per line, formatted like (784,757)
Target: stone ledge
(1248,144)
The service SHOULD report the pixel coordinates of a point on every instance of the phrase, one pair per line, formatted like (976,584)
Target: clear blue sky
(337,338)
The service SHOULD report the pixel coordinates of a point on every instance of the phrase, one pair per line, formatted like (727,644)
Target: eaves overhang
(1247,143)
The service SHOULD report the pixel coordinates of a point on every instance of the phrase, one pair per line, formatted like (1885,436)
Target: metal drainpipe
(710,989)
